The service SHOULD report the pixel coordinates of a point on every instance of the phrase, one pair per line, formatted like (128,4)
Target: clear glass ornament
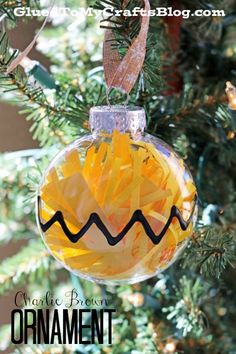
(116,206)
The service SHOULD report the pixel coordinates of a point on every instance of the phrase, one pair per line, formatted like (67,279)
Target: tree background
(190,308)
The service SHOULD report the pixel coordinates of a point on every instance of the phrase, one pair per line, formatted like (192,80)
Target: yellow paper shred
(114,179)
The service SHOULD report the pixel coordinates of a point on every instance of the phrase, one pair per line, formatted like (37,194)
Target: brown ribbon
(28,49)
(123,73)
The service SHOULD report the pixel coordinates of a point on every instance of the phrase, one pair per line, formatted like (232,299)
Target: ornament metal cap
(122,118)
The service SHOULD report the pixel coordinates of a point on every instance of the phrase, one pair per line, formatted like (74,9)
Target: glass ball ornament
(117,205)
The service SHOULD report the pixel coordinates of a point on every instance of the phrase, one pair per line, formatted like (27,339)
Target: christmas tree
(190,307)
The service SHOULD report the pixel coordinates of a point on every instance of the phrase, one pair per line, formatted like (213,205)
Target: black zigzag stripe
(112,241)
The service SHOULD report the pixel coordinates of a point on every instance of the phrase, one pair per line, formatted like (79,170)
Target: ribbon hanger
(122,74)
(28,49)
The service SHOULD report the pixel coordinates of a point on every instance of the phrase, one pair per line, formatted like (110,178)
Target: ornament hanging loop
(122,73)
(124,103)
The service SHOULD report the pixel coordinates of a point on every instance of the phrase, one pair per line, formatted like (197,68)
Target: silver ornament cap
(122,118)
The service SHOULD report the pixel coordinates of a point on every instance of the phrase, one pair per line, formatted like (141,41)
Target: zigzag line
(114,240)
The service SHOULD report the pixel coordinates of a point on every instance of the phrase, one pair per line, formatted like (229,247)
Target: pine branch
(21,173)
(7,7)
(29,264)
(198,118)
(49,117)
(186,110)
(186,313)
(211,252)
(16,168)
